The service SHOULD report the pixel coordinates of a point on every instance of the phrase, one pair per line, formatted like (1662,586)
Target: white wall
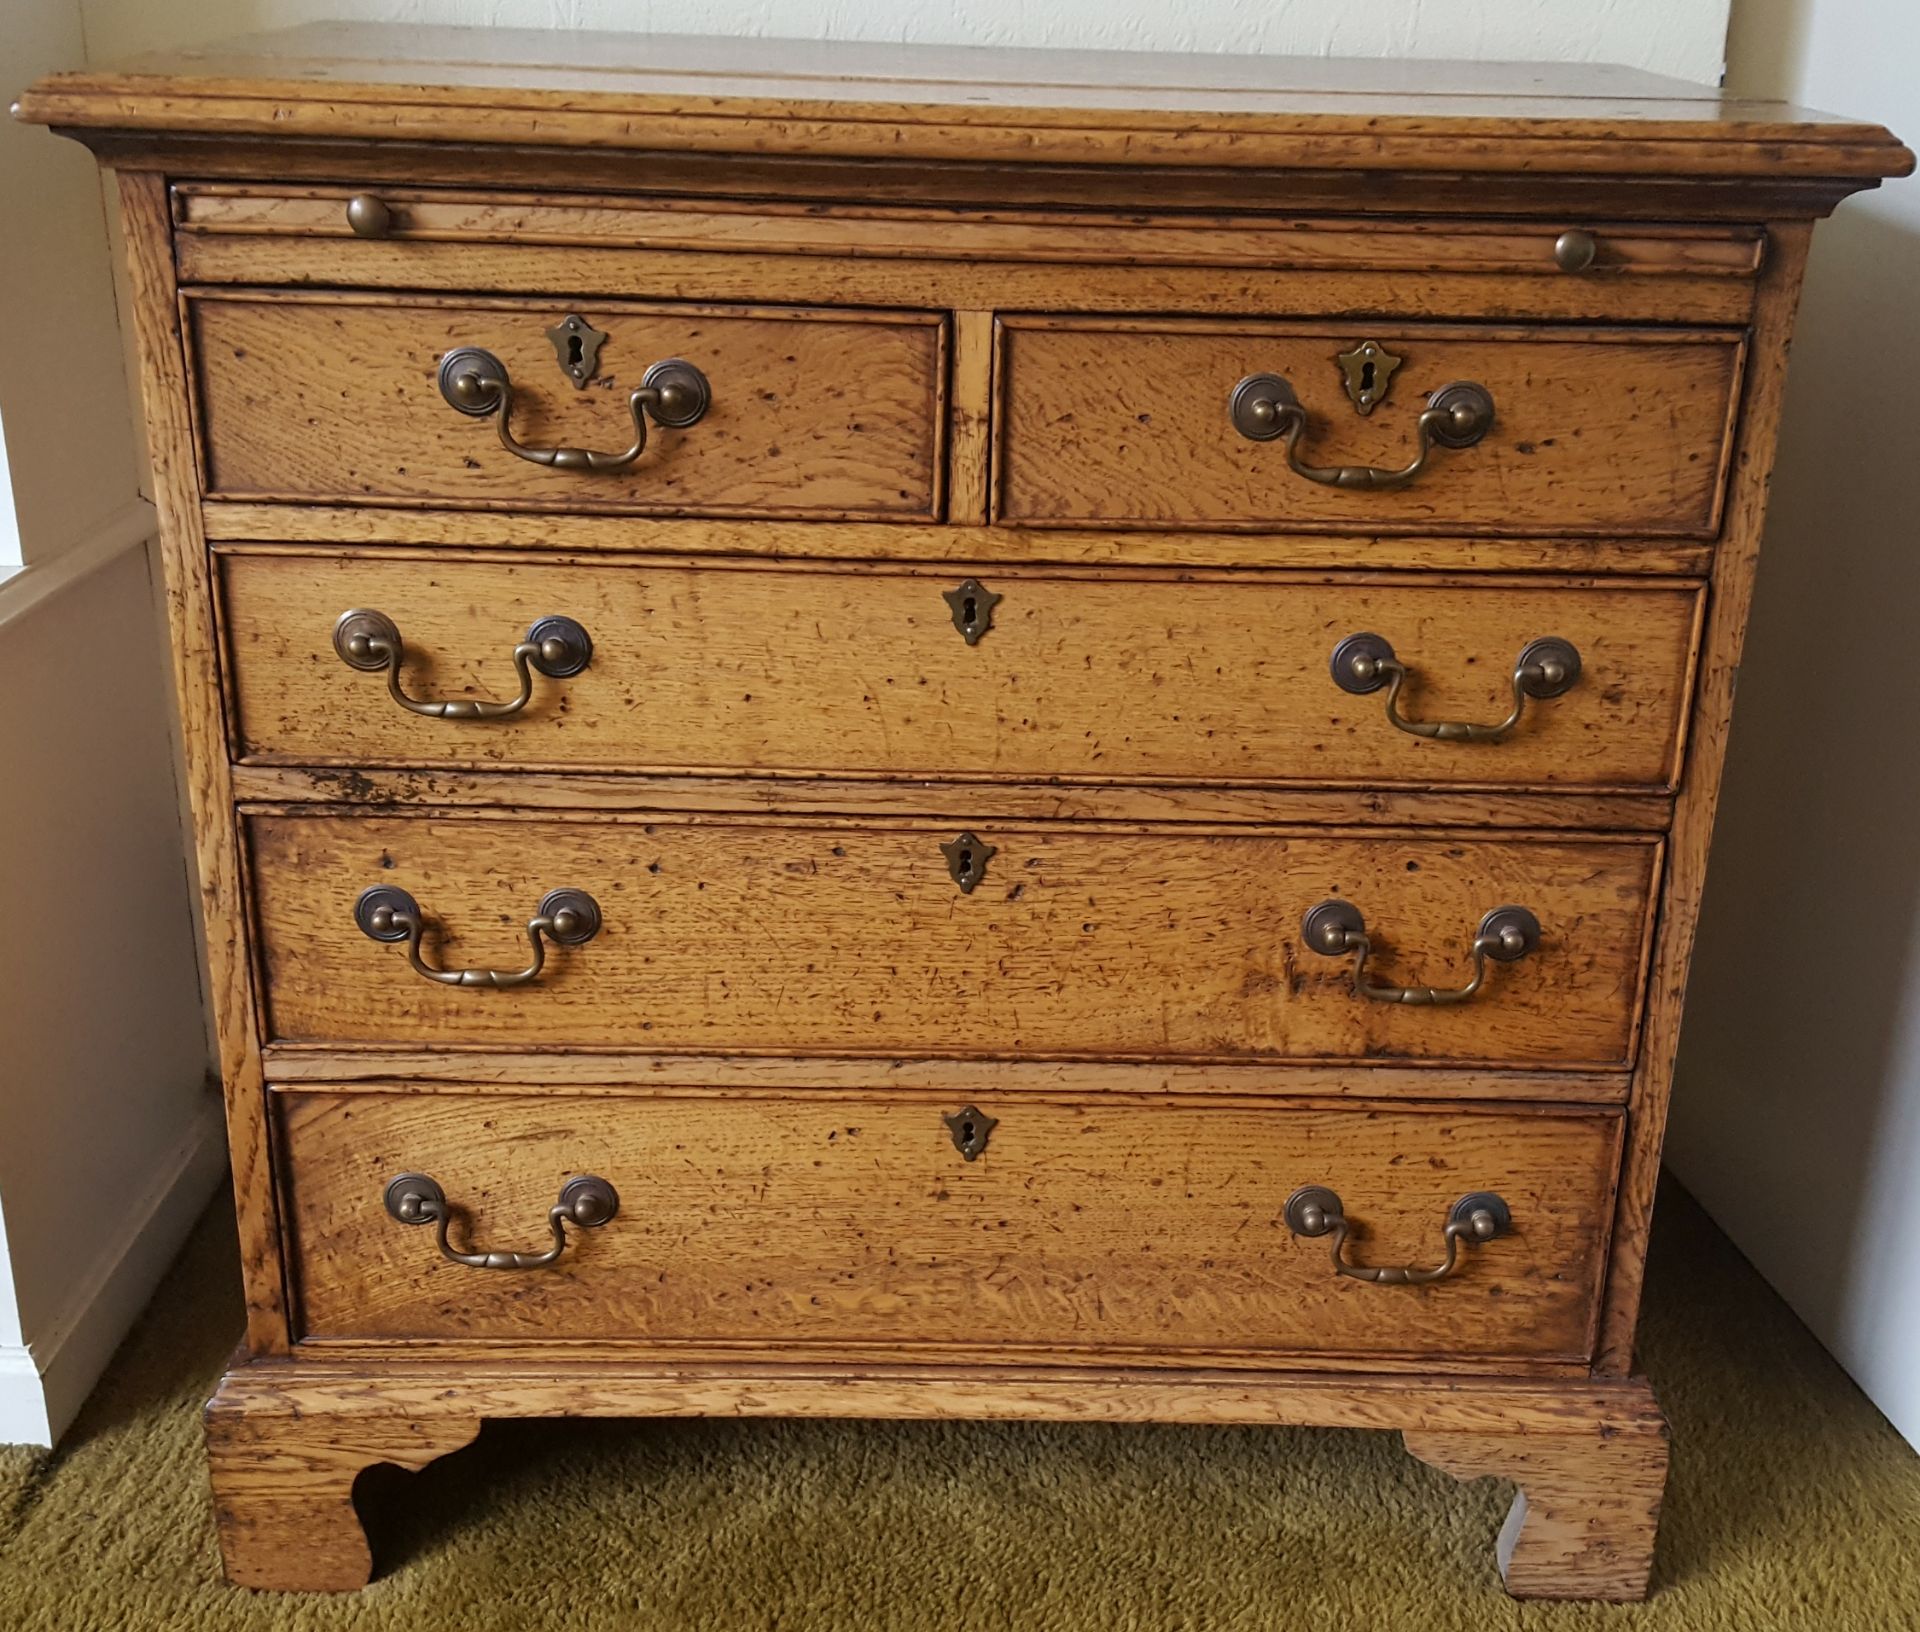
(1797,1109)
(1683,37)
(109,1133)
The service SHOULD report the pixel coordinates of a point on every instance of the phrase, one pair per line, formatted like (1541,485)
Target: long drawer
(958,673)
(1158,1230)
(344,399)
(905,939)
(1133,423)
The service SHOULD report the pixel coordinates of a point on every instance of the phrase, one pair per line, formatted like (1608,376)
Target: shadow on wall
(1792,1070)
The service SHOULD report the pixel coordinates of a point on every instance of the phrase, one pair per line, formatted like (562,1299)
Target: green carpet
(1792,1505)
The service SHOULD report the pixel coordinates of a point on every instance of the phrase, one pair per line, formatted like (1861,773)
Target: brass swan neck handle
(1313,1211)
(1336,928)
(672,392)
(1546,668)
(565,917)
(1264,407)
(370,641)
(587,1202)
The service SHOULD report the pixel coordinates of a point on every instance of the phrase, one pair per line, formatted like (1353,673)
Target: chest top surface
(837,99)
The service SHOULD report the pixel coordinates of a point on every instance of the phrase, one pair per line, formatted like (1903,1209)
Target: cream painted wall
(1682,37)
(1797,1108)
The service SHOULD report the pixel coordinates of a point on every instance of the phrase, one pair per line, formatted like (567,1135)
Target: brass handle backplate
(556,646)
(586,1202)
(1264,407)
(1313,1211)
(1546,668)
(673,393)
(565,917)
(1335,928)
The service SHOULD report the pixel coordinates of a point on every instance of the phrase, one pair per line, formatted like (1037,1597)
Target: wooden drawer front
(1595,431)
(1151,1227)
(737,934)
(337,398)
(862,671)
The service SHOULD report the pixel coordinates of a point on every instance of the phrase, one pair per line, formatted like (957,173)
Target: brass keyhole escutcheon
(577,343)
(1368,370)
(971,604)
(967,858)
(969,1130)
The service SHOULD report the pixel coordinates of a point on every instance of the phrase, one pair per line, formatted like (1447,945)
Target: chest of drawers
(954,735)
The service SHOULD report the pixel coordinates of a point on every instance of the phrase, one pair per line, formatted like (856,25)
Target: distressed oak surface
(819,98)
(965,313)
(798,937)
(1582,1524)
(1126,423)
(454,216)
(323,397)
(288,1437)
(861,670)
(798,1221)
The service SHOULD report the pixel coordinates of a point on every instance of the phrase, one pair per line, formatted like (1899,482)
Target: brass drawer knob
(674,393)
(586,1202)
(1313,1211)
(368,216)
(1575,249)
(556,646)
(1545,669)
(1336,928)
(1264,407)
(565,917)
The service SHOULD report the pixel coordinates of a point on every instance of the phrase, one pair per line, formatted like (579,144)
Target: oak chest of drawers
(999,737)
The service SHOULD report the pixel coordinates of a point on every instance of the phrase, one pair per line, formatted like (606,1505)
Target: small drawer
(902,939)
(1573,431)
(962,673)
(361,399)
(1157,1229)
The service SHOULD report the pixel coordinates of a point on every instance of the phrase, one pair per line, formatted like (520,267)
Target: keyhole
(966,868)
(966,1132)
(576,352)
(970,610)
(1366,377)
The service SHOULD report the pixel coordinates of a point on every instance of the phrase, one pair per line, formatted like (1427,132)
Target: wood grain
(1500,809)
(800,937)
(762,228)
(378,526)
(588,90)
(283,1490)
(965,313)
(980,183)
(1125,423)
(203,730)
(1119,1081)
(795,1221)
(861,671)
(1583,1522)
(335,397)
(1014,285)
(396,1407)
